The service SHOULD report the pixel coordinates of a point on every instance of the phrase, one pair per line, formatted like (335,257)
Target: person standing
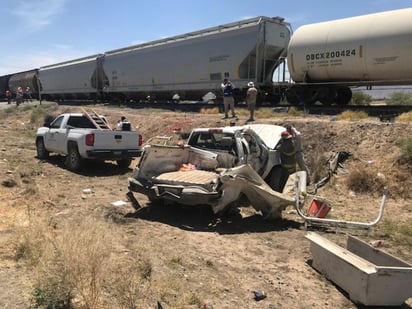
(28,94)
(287,158)
(300,158)
(228,100)
(251,95)
(19,96)
(8,96)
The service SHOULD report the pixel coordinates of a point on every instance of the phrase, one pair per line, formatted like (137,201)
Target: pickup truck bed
(160,176)
(195,177)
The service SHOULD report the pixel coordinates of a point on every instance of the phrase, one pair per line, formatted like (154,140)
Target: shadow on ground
(202,219)
(92,168)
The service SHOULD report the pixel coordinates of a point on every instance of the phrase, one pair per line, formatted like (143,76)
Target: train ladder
(98,121)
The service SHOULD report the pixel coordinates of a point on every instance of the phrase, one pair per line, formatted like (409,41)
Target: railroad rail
(383,112)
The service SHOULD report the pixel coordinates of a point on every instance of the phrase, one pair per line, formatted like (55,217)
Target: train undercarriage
(309,94)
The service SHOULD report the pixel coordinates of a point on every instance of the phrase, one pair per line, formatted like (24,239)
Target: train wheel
(310,95)
(292,96)
(327,96)
(275,99)
(343,95)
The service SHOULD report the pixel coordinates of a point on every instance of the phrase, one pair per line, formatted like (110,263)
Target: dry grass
(351,115)
(76,257)
(364,179)
(70,263)
(405,117)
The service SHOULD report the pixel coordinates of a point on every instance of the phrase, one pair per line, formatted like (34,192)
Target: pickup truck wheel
(42,152)
(73,161)
(124,163)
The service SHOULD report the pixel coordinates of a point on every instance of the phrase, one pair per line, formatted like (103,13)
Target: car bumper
(113,154)
(185,195)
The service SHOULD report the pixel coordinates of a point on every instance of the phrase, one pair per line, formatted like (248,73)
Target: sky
(36,33)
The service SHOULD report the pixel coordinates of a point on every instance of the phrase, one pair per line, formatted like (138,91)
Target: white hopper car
(75,79)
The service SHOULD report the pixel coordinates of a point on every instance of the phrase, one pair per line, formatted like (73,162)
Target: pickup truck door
(52,138)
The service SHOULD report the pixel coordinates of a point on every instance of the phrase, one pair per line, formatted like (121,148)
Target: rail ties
(385,113)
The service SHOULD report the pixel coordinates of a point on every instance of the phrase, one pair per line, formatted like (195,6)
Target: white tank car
(363,50)
(193,64)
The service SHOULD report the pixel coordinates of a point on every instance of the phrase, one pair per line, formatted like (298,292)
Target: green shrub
(400,98)
(360,98)
(405,145)
(39,115)
(49,298)
(400,233)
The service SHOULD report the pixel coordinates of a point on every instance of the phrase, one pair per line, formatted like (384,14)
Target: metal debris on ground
(259,295)
(335,162)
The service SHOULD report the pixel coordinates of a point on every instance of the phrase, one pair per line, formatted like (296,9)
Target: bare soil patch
(189,257)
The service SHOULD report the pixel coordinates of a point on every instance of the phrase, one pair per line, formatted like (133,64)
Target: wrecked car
(192,176)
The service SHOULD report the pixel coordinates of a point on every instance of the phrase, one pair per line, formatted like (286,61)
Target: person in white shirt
(123,124)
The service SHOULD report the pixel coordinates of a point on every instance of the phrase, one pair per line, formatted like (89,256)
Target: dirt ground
(198,260)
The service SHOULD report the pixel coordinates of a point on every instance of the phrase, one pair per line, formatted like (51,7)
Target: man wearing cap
(251,95)
(228,100)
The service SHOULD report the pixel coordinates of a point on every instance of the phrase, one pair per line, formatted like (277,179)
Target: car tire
(42,152)
(74,161)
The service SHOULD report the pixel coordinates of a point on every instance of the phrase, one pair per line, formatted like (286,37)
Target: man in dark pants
(228,100)
(287,158)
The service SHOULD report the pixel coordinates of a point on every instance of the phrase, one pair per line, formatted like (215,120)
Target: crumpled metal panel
(244,180)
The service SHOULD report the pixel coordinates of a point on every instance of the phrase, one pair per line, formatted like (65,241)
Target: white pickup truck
(82,136)
(236,163)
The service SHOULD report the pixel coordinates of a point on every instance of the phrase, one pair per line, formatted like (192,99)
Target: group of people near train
(20,96)
(229,101)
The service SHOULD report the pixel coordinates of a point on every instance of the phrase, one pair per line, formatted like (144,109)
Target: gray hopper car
(193,64)
(189,65)
(4,85)
(325,59)
(75,79)
(24,79)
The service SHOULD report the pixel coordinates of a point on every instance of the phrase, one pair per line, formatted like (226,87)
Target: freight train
(318,62)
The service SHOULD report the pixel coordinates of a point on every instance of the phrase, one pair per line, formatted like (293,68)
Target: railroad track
(384,112)
(381,111)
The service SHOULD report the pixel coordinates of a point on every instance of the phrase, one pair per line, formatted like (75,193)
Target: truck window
(212,140)
(56,123)
(80,122)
